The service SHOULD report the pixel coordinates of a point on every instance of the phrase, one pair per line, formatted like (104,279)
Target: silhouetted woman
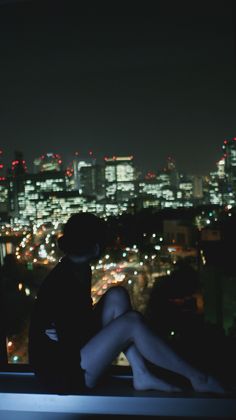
(72,343)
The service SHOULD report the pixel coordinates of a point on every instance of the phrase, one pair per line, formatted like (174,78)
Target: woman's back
(64,303)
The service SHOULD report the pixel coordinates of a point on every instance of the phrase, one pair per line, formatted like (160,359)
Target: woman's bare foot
(205,383)
(148,381)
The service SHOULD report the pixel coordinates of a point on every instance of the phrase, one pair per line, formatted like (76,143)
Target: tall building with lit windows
(229,148)
(92,181)
(4,188)
(78,164)
(28,191)
(4,199)
(185,190)
(221,168)
(223,188)
(213,190)
(120,178)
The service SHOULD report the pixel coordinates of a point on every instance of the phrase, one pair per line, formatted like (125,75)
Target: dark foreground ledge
(21,397)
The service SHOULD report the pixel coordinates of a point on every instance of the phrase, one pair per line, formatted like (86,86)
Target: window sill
(20,393)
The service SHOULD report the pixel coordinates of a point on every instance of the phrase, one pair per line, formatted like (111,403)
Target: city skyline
(152,81)
(30,166)
(50,194)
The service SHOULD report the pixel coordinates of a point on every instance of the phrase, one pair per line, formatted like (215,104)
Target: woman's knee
(134,317)
(118,294)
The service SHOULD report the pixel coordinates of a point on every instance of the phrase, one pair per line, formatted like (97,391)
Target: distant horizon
(99,159)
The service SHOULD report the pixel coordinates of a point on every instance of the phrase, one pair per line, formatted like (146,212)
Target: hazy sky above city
(150,79)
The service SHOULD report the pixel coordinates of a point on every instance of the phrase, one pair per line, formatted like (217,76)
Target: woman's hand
(52,333)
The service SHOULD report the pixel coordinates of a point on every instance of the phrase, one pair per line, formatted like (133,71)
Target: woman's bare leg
(114,303)
(129,329)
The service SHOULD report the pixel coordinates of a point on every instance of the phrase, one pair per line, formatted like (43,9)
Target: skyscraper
(18,165)
(92,181)
(229,148)
(119,178)
(78,163)
(4,186)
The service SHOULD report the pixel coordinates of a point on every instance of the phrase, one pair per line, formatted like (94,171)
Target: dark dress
(63,300)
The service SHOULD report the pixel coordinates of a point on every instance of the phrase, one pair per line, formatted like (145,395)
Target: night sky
(148,79)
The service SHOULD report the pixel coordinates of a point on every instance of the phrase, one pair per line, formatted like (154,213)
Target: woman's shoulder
(65,272)
(63,266)
(55,275)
